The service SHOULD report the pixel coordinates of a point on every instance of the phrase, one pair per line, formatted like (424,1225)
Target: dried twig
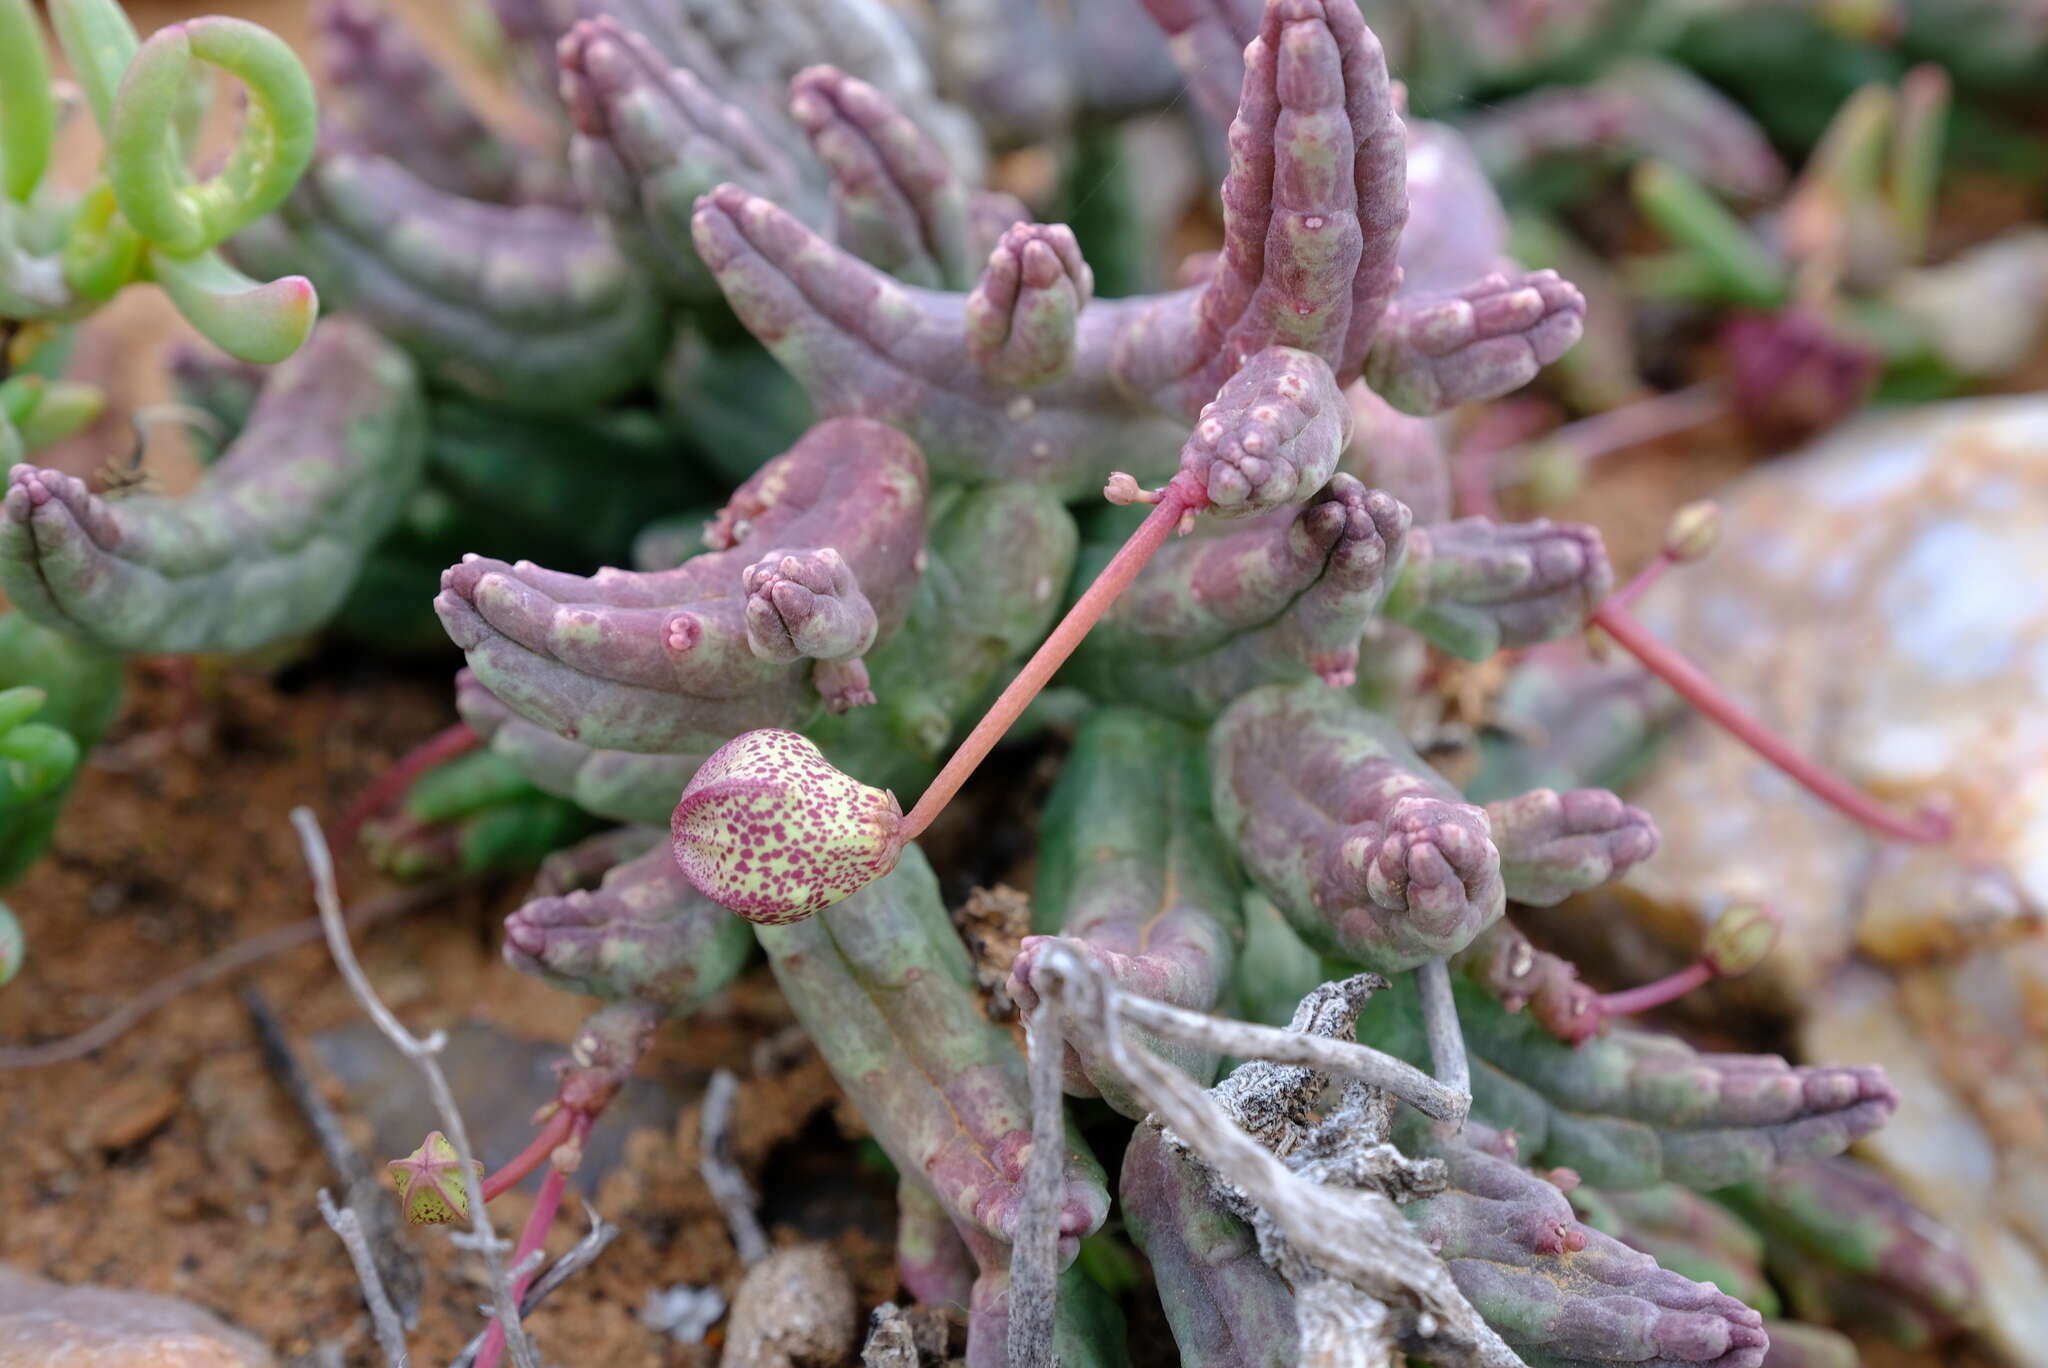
(578,1258)
(1446,1041)
(390,1333)
(728,1185)
(421,1052)
(1358,1237)
(1034,1257)
(1342,1058)
(365,1196)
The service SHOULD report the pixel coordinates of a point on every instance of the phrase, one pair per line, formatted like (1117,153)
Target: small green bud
(430,1183)
(1740,937)
(769,829)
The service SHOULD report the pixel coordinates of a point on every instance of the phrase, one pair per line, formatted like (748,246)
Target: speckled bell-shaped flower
(770,830)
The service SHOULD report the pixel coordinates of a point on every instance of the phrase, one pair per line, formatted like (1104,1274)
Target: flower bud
(1797,372)
(1740,937)
(769,829)
(430,1183)
(1693,531)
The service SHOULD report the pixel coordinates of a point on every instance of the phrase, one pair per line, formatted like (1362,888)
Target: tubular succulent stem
(1179,498)
(1687,680)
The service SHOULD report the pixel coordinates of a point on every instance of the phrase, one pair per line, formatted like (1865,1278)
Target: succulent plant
(145,217)
(59,696)
(765,257)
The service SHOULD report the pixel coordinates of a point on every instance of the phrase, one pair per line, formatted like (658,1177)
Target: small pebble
(44,1324)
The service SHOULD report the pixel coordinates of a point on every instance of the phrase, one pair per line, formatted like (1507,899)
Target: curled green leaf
(28,103)
(145,157)
(98,42)
(44,411)
(249,319)
(101,251)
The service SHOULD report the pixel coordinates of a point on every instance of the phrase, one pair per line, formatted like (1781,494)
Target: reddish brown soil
(172,1161)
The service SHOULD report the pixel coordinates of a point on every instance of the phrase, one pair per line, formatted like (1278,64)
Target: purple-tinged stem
(442,746)
(1588,440)
(1694,687)
(531,1238)
(1643,421)
(1178,499)
(1626,596)
(1657,993)
(533,1156)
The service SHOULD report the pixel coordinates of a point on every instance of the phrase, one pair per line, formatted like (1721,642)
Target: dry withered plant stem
(721,1174)
(1368,1286)
(320,861)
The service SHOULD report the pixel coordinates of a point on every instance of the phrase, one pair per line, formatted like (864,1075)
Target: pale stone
(794,1309)
(1882,600)
(51,1325)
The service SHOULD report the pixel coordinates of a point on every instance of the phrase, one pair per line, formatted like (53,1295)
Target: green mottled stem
(1632,1109)
(1132,874)
(1372,856)
(1179,498)
(396,100)
(267,545)
(1687,680)
(883,984)
(1227,1307)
